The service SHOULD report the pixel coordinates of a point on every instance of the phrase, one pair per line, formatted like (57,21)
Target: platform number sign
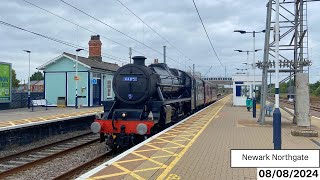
(94,81)
(5,82)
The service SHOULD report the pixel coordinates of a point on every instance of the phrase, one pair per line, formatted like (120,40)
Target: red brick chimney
(95,48)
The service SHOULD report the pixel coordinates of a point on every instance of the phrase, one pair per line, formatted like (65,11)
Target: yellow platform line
(149,159)
(159,149)
(180,133)
(166,142)
(191,134)
(146,150)
(11,123)
(181,145)
(174,147)
(108,176)
(176,160)
(131,160)
(129,172)
(148,169)
(156,157)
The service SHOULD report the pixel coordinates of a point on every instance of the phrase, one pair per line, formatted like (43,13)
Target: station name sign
(274,158)
(5,82)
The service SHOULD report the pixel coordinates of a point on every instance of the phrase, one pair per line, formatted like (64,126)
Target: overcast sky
(176,20)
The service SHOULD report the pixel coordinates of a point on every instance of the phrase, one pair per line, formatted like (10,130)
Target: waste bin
(81,101)
(249,103)
(61,102)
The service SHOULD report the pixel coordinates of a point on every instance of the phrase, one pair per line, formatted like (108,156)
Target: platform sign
(5,82)
(94,81)
(77,78)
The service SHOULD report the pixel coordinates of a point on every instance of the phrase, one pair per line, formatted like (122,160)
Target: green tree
(37,76)
(283,87)
(317,92)
(314,87)
(15,81)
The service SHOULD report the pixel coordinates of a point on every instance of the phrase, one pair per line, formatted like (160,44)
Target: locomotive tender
(149,99)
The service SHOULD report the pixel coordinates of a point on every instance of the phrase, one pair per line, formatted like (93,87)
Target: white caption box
(274,158)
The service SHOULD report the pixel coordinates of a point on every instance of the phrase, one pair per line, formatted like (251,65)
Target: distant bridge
(219,80)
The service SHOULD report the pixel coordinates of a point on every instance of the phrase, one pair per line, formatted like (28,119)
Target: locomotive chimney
(139,60)
(95,48)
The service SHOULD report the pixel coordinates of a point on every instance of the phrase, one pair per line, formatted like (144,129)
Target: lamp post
(253,66)
(253,95)
(276,113)
(130,54)
(29,97)
(76,78)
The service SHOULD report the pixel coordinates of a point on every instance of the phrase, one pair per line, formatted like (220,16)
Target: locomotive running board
(176,100)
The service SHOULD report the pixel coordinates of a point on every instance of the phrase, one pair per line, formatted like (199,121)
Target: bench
(40,102)
(269,108)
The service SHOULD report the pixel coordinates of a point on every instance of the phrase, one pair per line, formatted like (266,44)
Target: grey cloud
(176,20)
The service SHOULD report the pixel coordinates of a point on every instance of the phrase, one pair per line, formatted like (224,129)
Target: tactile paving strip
(156,158)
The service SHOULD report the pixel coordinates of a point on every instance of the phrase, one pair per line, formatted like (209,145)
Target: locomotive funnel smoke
(139,60)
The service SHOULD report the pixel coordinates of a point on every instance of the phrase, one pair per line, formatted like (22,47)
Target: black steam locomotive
(149,99)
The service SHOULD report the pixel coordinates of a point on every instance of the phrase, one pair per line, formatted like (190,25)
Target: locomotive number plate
(130,78)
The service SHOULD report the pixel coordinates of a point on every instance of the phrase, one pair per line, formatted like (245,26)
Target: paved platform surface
(199,148)
(23,116)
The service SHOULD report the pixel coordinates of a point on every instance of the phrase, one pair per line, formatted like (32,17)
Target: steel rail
(42,160)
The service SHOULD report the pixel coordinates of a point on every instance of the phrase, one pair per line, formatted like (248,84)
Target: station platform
(23,117)
(199,147)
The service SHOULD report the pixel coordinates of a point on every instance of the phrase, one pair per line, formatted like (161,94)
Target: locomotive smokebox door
(134,83)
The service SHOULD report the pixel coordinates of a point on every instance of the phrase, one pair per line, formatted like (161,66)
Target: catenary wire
(82,27)
(130,37)
(152,29)
(207,33)
(57,40)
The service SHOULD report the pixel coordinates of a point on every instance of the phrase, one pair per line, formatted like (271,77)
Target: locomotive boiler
(147,100)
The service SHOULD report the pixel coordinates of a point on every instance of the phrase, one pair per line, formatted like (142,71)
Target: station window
(109,89)
(97,75)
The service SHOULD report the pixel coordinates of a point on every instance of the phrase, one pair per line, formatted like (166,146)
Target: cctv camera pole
(250,95)
(276,112)
(130,53)
(254,77)
(77,78)
(193,70)
(29,96)
(164,54)
(76,103)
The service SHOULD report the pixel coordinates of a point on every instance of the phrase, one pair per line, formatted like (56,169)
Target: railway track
(85,166)
(312,107)
(16,163)
(80,169)
(21,161)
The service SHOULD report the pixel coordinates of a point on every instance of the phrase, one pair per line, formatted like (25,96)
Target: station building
(243,88)
(95,78)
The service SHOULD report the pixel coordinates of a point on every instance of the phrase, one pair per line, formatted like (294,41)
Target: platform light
(76,77)
(29,96)
(142,129)
(95,127)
